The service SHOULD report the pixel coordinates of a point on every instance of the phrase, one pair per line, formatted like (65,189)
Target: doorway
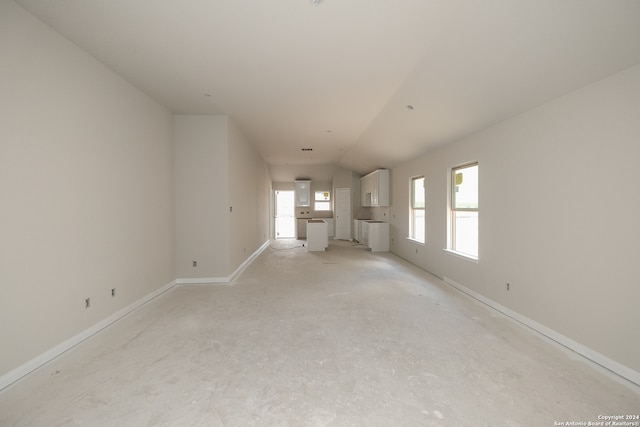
(285,223)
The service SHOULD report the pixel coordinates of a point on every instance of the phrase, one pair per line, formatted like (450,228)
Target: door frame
(275,214)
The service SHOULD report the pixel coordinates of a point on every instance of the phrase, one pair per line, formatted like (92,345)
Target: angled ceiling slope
(338,77)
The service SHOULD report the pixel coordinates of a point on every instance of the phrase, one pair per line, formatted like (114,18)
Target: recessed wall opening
(285,224)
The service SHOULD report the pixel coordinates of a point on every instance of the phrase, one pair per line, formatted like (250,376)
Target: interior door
(285,215)
(343,213)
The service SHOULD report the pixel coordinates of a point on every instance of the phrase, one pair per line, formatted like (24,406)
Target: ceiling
(338,77)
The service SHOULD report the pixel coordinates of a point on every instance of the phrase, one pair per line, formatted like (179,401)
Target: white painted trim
(584,351)
(44,358)
(202,280)
(249,260)
(41,360)
(417,242)
(228,279)
(461,255)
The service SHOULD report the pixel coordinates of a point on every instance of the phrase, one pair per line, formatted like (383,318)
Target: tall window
(417,216)
(322,201)
(464,210)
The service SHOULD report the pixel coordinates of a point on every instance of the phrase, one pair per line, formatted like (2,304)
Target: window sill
(462,255)
(416,241)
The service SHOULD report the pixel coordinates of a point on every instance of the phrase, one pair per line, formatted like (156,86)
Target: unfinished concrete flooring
(338,338)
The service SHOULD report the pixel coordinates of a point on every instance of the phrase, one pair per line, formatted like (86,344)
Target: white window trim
(418,242)
(450,225)
(315,201)
(462,255)
(411,209)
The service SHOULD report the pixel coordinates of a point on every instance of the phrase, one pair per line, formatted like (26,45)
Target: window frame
(316,200)
(413,209)
(453,210)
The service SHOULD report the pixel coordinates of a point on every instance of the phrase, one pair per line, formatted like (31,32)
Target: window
(416,211)
(464,210)
(322,201)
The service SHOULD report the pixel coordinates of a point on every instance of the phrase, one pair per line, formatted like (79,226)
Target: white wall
(249,189)
(86,190)
(223,192)
(315,186)
(201,170)
(321,186)
(284,186)
(559,205)
(344,178)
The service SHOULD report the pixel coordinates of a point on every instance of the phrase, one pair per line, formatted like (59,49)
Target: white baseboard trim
(227,279)
(203,280)
(44,358)
(593,356)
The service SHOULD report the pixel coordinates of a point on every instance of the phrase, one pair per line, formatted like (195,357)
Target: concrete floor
(340,338)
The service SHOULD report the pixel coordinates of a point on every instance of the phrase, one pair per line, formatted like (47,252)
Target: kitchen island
(317,235)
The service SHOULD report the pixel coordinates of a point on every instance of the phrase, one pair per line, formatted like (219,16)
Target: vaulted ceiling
(364,83)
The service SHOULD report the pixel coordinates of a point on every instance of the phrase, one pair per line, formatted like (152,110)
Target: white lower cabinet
(364,233)
(317,235)
(376,236)
(358,230)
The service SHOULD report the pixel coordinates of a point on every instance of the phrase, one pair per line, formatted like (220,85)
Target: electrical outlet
(195,263)
(113,292)
(508,286)
(87,303)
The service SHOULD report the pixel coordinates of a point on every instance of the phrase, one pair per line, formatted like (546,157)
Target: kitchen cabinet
(359,233)
(374,188)
(366,190)
(376,236)
(317,235)
(303,193)
(330,226)
(364,233)
(301,227)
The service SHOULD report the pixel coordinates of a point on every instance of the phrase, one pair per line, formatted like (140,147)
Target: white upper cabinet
(374,188)
(303,193)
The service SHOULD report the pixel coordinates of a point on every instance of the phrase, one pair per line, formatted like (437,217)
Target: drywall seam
(228,279)
(593,356)
(46,357)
